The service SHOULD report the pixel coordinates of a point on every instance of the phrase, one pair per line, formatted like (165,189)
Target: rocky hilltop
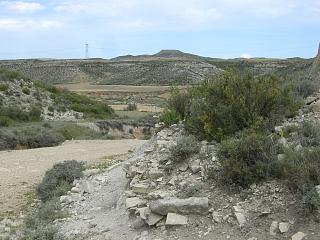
(164,68)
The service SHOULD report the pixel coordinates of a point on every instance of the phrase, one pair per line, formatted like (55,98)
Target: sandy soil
(86,87)
(141,107)
(21,170)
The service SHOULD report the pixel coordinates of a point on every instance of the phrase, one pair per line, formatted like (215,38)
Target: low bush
(26,90)
(9,75)
(312,201)
(4,121)
(248,159)
(38,224)
(29,137)
(301,169)
(185,147)
(131,107)
(169,117)
(57,181)
(4,87)
(309,134)
(51,109)
(16,114)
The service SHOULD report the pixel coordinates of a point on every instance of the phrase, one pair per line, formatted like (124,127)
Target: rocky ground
(24,94)
(149,198)
(21,170)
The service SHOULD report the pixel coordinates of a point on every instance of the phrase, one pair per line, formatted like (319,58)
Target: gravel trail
(21,170)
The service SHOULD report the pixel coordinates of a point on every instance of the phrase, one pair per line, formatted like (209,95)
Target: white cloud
(14,24)
(180,14)
(246,56)
(22,7)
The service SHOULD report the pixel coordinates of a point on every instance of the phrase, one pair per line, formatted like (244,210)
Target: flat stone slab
(153,219)
(174,219)
(140,188)
(240,215)
(193,205)
(298,236)
(134,202)
(284,227)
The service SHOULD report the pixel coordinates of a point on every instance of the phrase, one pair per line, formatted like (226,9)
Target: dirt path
(22,170)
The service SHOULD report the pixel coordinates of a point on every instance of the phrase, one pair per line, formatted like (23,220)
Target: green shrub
(26,90)
(9,75)
(40,138)
(57,181)
(301,169)
(4,87)
(131,107)
(38,223)
(42,232)
(65,99)
(309,134)
(51,109)
(29,137)
(231,103)
(306,88)
(312,200)
(15,113)
(169,117)
(185,147)
(4,121)
(248,159)
(178,102)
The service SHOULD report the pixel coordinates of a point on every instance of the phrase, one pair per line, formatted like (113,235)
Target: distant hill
(167,67)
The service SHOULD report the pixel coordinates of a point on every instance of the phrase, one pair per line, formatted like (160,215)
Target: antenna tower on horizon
(87,50)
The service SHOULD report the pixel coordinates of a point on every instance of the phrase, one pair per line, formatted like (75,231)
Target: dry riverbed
(21,170)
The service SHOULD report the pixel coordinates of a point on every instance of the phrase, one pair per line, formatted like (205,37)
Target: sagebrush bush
(185,147)
(301,169)
(15,113)
(26,90)
(312,200)
(4,121)
(38,224)
(9,75)
(4,87)
(306,88)
(58,180)
(248,159)
(169,117)
(29,137)
(309,134)
(233,102)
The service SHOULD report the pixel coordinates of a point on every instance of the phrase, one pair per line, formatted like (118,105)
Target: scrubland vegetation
(38,225)
(240,111)
(65,99)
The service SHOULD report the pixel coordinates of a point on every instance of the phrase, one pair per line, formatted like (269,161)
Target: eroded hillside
(164,68)
(157,72)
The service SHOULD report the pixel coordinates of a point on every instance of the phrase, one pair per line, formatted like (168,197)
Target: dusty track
(21,170)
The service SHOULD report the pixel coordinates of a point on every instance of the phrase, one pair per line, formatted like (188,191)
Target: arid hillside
(164,68)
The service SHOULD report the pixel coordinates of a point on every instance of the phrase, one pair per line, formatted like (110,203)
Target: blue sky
(215,28)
